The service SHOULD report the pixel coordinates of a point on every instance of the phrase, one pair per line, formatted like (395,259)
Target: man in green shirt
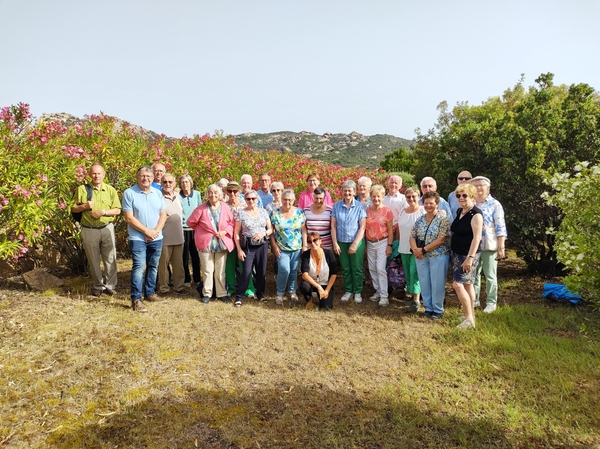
(98,231)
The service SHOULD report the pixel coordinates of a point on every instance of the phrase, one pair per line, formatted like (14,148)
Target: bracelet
(104,212)
(472,257)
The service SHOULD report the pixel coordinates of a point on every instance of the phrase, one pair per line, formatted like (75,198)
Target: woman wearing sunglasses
(252,231)
(319,272)
(466,235)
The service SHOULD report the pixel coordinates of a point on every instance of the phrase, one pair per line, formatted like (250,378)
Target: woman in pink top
(379,235)
(306,198)
(213,226)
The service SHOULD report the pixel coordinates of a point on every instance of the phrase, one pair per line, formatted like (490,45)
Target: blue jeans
(432,277)
(145,256)
(287,271)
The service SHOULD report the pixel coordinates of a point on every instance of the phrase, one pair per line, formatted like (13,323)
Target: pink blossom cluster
(81,172)
(75,152)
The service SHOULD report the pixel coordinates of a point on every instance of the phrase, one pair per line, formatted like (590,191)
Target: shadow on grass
(304,417)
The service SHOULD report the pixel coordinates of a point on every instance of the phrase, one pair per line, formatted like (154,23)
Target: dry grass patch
(83,372)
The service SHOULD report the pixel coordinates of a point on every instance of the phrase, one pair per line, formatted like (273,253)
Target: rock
(40,280)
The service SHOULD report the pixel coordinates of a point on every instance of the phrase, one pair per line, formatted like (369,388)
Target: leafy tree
(400,160)
(513,140)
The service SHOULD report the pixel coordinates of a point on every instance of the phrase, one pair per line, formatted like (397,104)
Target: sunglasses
(232,191)
(168,182)
(462,195)
(310,242)
(463,178)
(252,199)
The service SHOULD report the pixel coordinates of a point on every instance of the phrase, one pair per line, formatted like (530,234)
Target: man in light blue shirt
(428,184)
(264,193)
(145,215)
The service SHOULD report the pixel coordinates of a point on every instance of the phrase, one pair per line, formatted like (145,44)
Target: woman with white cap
(492,242)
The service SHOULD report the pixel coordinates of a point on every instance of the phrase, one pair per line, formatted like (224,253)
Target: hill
(346,150)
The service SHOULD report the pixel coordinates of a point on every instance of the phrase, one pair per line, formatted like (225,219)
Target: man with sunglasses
(464,177)
(172,248)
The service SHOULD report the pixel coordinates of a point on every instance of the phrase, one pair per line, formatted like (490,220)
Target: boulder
(40,280)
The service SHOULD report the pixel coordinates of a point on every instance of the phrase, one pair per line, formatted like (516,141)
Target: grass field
(78,371)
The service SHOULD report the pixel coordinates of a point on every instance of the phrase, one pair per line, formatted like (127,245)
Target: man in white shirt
(395,200)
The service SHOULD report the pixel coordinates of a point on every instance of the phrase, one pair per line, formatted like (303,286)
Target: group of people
(226,239)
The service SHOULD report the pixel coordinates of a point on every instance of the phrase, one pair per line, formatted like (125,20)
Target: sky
(185,67)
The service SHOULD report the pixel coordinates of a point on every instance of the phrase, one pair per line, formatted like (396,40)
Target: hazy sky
(184,67)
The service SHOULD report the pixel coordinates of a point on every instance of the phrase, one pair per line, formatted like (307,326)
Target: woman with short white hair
(492,242)
(364,190)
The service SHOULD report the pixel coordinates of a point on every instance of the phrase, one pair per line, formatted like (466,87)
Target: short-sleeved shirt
(377,220)
(266,197)
(348,219)
(396,203)
(252,225)
(462,232)
(146,208)
(321,224)
(173,228)
(105,197)
(288,232)
(440,226)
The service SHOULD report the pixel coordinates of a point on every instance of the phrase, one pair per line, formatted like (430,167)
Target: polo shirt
(146,207)
(348,219)
(104,196)
(267,198)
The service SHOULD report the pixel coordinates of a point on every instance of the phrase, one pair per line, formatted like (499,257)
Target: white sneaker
(357,298)
(187,284)
(346,296)
(476,304)
(375,297)
(383,302)
(489,308)
(279,300)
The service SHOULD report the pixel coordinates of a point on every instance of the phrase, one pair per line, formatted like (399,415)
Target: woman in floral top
(429,244)
(286,241)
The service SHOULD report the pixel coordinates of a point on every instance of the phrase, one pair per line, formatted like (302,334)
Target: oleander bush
(42,163)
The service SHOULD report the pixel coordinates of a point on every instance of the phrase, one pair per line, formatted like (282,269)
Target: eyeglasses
(428,185)
(252,199)
(232,191)
(310,242)
(168,182)
(463,178)
(462,195)
(276,190)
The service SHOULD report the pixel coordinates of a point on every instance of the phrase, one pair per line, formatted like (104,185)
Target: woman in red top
(379,235)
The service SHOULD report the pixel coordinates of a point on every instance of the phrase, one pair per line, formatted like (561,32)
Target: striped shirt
(320,223)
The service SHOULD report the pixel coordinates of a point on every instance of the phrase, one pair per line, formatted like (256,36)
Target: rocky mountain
(339,149)
(346,150)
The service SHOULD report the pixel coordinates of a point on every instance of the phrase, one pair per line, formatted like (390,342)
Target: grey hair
(145,168)
(249,192)
(222,182)
(186,177)
(217,188)
(349,185)
(377,190)
(276,185)
(288,192)
(364,180)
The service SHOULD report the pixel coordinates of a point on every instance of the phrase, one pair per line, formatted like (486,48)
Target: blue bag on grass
(560,292)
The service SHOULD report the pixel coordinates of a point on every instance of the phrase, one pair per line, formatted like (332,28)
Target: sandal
(238,303)
(279,300)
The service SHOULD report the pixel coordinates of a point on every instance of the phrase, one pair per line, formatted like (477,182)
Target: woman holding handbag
(429,244)
(252,231)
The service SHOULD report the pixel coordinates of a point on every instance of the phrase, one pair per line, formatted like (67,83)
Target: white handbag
(489,240)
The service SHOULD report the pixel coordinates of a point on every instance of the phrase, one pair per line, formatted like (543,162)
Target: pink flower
(20,237)
(39,203)
(62,205)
